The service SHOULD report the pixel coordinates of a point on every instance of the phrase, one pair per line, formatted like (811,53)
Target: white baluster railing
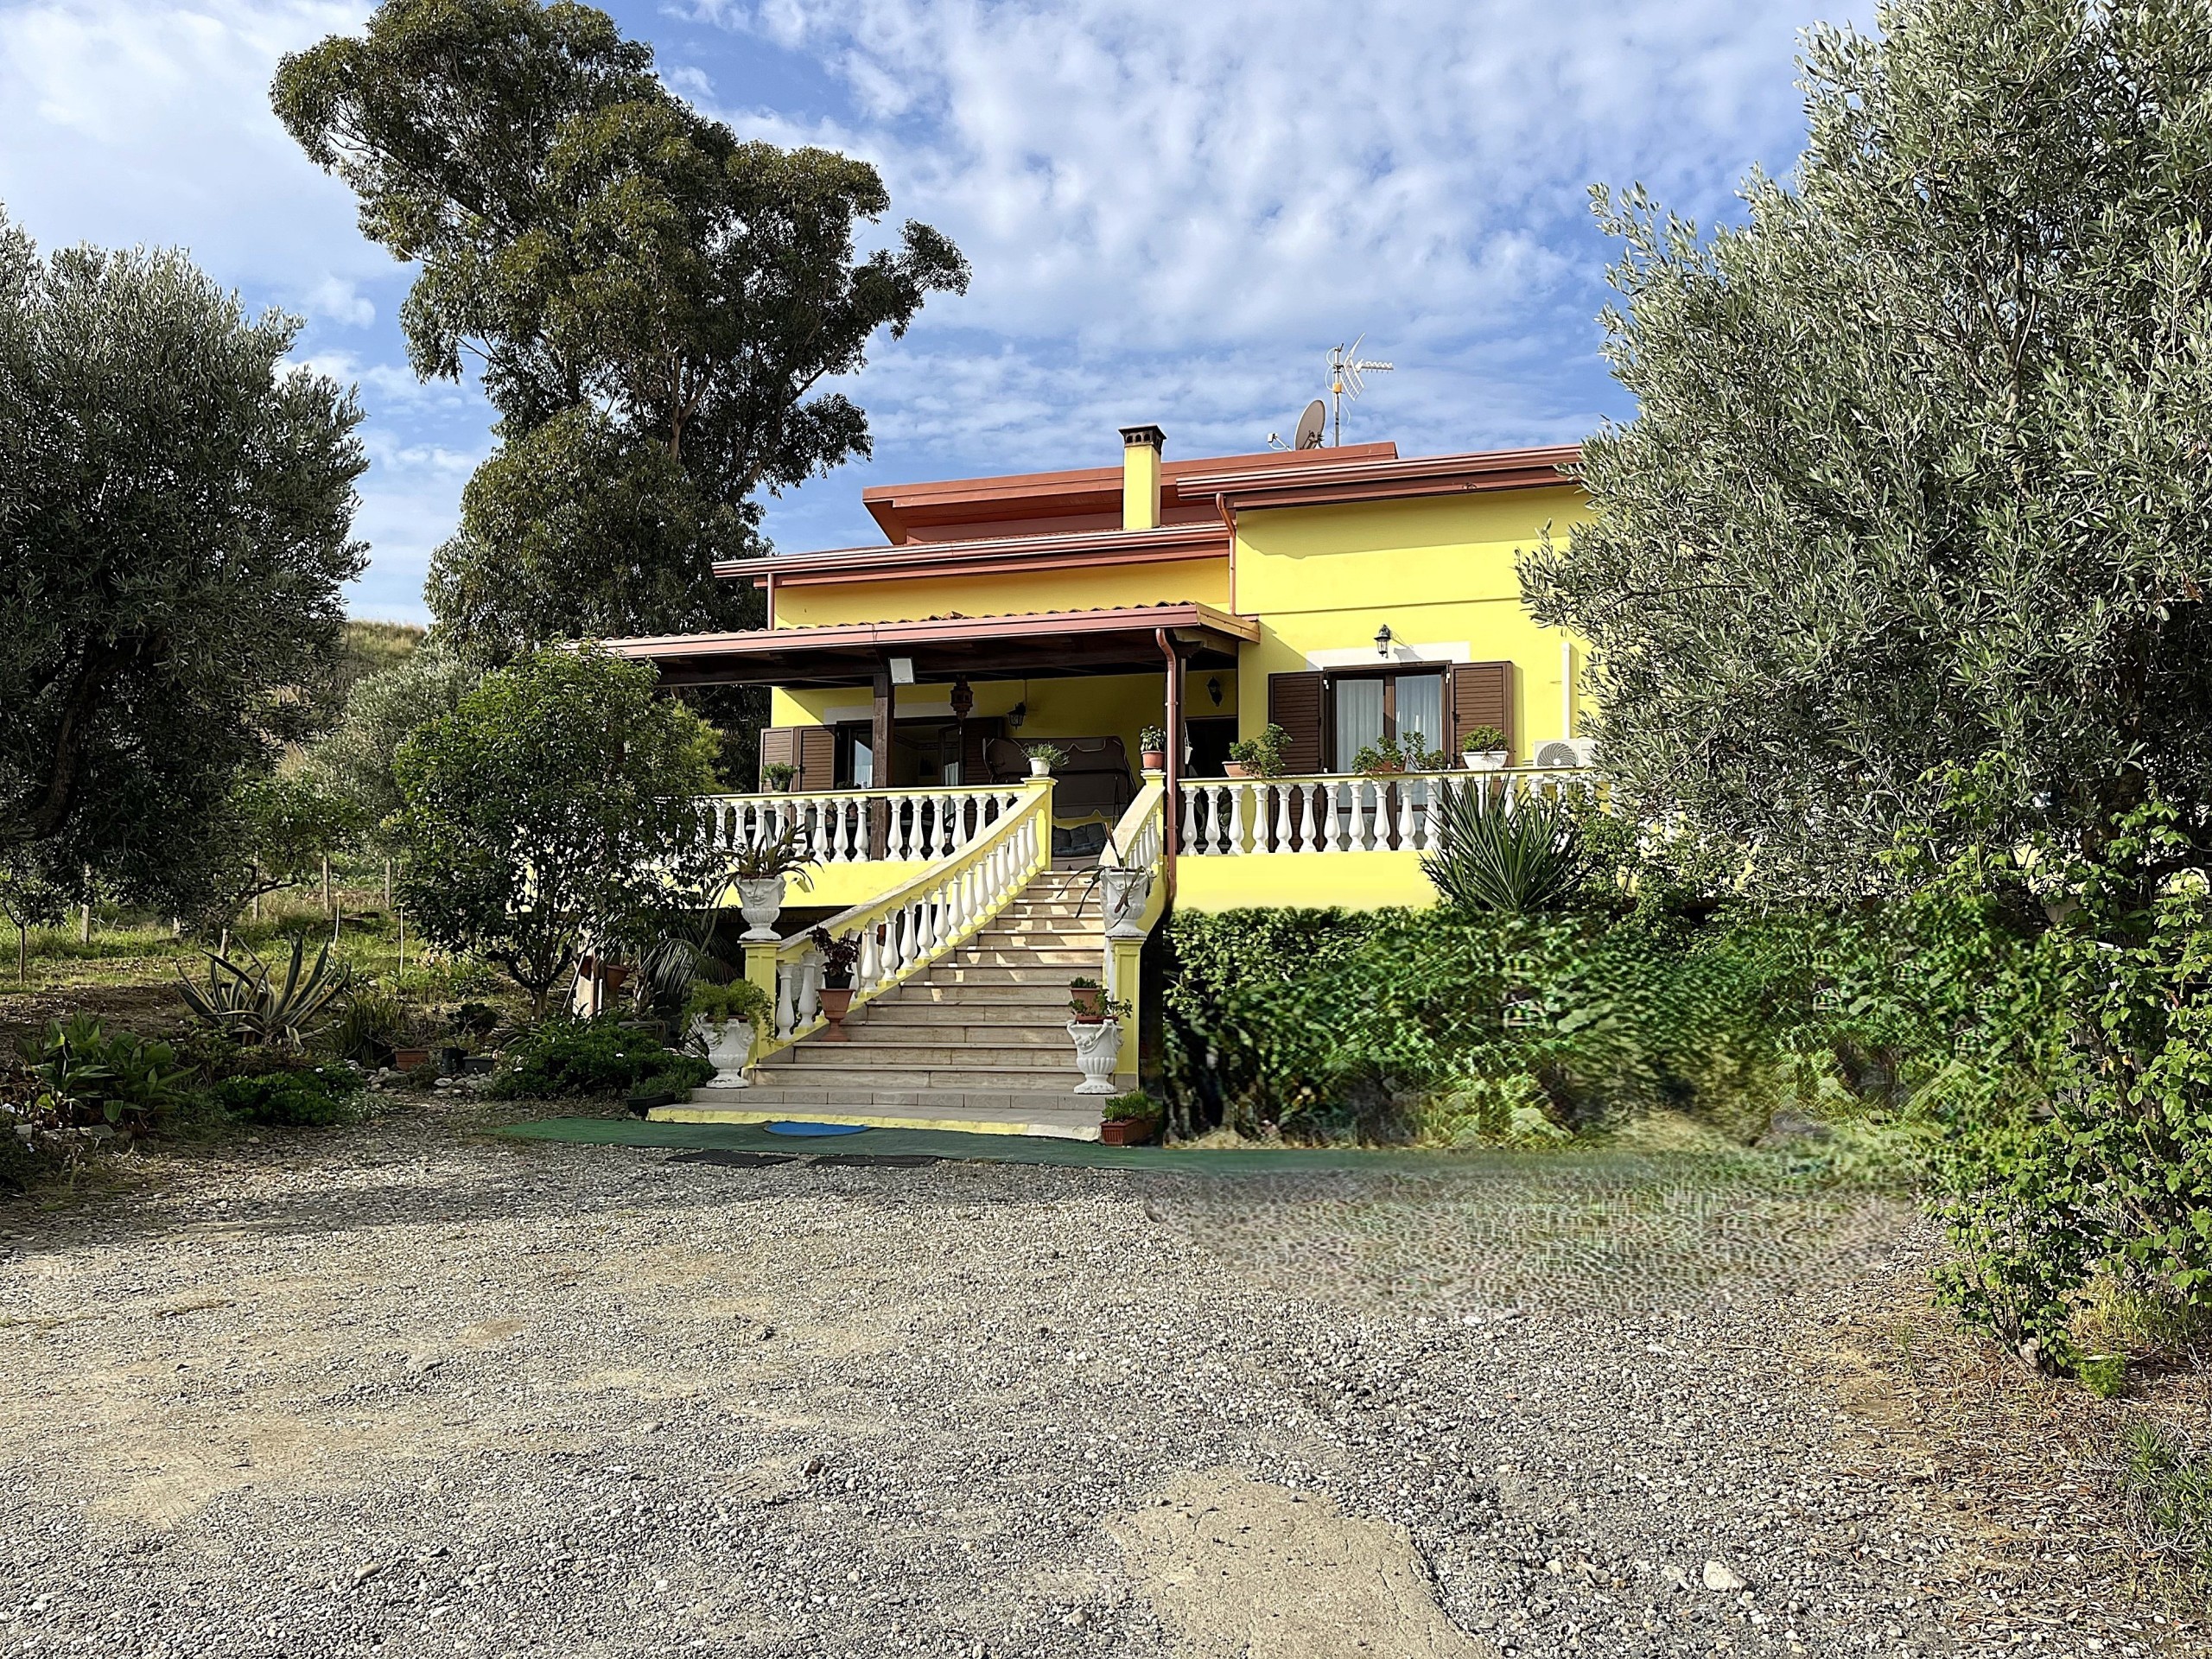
(835,824)
(1007,839)
(1346,813)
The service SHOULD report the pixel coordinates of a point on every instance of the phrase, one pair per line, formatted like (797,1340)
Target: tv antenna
(1346,366)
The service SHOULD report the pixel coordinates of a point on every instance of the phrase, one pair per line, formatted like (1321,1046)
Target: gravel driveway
(403,1389)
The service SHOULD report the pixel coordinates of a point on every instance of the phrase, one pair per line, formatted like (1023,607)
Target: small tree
(277,831)
(555,808)
(355,761)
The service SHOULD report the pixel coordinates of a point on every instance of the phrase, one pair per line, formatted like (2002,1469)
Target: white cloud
(1174,209)
(341,302)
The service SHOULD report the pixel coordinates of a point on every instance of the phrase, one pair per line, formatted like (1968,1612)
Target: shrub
(1494,851)
(1374,1026)
(1484,740)
(244,998)
(85,1074)
(371,1027)
(318,1097)
(564,1056)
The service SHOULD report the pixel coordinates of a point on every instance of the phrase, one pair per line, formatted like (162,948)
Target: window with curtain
(1371,707)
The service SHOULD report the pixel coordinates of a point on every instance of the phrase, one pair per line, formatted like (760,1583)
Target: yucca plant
(1517,854)
(258,1007)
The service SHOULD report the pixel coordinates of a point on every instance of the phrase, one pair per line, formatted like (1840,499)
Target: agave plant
(257,1006)
(1499,852)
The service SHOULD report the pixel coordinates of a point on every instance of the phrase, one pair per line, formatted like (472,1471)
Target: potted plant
(723,1019)
(1152,742)
(760,870)
(1382,759)
(1086,1000)
(1418,756)
(779,775)
(1129,1119)
(1044,756)
(1098,1047)
(839,957)
(1484,749)
(1258,757)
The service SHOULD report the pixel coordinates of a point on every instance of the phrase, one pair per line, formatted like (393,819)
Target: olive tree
(1915,480)
(175,530)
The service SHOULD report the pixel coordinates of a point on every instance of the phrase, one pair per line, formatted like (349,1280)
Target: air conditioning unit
(1566,753)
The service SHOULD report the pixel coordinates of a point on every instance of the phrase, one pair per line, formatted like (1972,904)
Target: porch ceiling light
(1382,640)
(963,699)
(1213,690)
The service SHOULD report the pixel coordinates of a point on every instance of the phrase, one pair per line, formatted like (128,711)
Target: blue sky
(1174,209)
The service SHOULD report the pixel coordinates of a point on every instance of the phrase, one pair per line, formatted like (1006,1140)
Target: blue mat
(817,1129)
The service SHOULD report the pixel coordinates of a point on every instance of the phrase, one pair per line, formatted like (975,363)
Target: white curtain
(1359,718)
(1421,709)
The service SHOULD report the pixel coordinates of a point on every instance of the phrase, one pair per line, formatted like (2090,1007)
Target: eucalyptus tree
(1916,477)
(175,527)
(653,304)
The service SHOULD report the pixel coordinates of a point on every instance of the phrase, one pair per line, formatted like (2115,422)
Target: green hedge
(1393,1025)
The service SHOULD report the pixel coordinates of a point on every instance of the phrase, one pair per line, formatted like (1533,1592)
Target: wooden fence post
(325,881)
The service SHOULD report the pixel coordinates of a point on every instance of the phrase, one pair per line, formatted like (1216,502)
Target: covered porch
(897,742)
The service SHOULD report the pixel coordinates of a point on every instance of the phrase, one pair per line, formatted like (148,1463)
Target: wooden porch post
(879,817)
(1171,825)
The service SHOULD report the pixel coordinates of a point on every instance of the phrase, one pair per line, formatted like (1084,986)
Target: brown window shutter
(817,757)
(779,746)
(1482,695)
(1294,703)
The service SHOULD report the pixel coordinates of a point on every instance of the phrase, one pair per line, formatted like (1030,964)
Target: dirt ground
(409,1389)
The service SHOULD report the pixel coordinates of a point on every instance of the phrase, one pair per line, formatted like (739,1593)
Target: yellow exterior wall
(1201,581)
(1438,570)
(1307,881)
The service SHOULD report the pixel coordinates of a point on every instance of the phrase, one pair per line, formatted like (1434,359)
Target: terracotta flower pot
(1089,1002)
(1235,769)
(1155,759)
(406,1059)
(1127,1131)
(836,1004)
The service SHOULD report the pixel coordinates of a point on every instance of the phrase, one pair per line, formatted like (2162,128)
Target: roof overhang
(1249,490)
(1042,645)
(1168,544)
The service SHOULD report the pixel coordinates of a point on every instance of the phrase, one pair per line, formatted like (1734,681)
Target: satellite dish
(1311,426)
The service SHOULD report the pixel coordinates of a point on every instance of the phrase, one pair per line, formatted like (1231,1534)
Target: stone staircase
(977,1040)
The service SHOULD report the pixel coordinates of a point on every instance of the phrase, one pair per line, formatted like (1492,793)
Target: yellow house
(1364,604)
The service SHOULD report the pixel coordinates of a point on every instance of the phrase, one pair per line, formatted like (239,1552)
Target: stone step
(857,1075)
(1061,1116)
(889,1021)
(1072,958)
(1032,976)
(922,1051)
(1049,992)
(1036,938)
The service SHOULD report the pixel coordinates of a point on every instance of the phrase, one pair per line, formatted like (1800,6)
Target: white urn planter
(1485,759)
(729,1046)
(1126,893)
(1098,1050)
(760,901)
